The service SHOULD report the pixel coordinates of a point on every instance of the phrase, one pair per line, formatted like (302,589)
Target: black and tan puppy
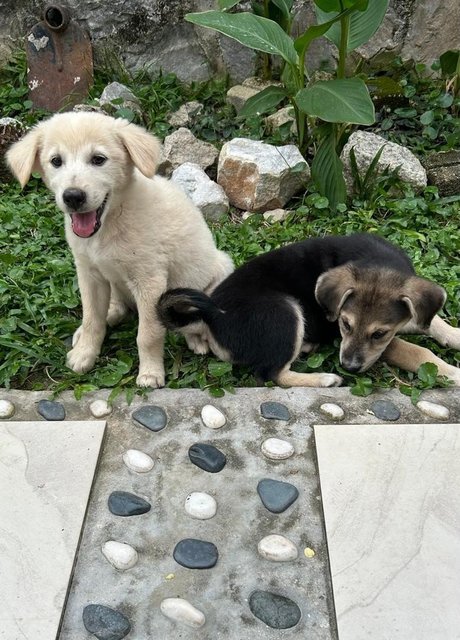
(292,299)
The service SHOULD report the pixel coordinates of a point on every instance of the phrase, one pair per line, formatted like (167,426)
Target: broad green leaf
(343,100)
(253,31)
(224,5)
(263,101)
(327,170)
(284,6)
(449,62)
(328,5)
(219,369)
(428,373)
(363,24)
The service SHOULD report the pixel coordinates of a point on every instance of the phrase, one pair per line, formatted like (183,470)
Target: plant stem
(344,32)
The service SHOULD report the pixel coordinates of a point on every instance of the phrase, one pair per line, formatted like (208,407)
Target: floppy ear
(22,157)
(424,299)
(143,148)
(332,289)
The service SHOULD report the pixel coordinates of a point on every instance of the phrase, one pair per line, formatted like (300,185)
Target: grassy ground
(39,301)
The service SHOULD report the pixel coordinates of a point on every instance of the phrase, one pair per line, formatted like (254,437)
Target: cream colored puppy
(132,234)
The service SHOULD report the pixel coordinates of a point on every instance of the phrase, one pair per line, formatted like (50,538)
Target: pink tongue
(83,224)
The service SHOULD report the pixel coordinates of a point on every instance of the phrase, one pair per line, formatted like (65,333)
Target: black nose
(352,368)
(74,198)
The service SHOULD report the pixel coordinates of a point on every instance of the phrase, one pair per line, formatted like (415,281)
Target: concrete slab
(46,472)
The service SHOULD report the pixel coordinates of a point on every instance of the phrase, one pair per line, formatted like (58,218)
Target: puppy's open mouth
(85,225)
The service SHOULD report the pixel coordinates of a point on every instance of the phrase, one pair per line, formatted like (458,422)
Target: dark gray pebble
(51,410)
(385,410)
(105,623)
(277,496)
(150,416)
(274,411)
(207,457)
(276,611)
(123,503)
(195,554)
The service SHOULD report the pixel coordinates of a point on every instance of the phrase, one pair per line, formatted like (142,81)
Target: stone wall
(153,33)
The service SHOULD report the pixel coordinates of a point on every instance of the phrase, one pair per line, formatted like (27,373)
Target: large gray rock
(208,196)
(258,177)
(366,145)
(116,95)
(182,146)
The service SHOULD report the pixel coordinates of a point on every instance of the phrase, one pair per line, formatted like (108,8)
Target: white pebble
(277,548)
(6,409)
(181,610)
(121,555)
(277,449)
(100,408)
(200,505)
(212,417)
(433,410)
(332,410)
(138,461)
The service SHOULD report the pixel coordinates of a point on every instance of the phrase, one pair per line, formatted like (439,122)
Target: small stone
(205,194)
(182,611)
(100,408)
(385,410)
(123,503)
(308,553)
(6,409)
(150,416)
(207,457)
(277,449)
(195,554)
(278,612)
(200,505)
(212,417)
(185,114)
(277,496)
(332,410)
(51,410)
(274,411)
(277,548)
(170,576)
(105,623)
(121,555)
(138,461)
(437,411)
(276,215)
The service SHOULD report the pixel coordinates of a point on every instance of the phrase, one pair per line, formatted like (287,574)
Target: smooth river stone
(200,505)
(181,610)
(123,503)
(437,411)
(105,623)
(100,408)
(207,457)
(277,496)
(332,410)
(150,416)
(278,612)
(385,410)
(277,548)
(274,411)
(6,409)
(51,410)
(212,417)
(121,555)
(277,449)
(195,554)
(138,461)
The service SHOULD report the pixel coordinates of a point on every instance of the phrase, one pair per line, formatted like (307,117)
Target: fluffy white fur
(151,237)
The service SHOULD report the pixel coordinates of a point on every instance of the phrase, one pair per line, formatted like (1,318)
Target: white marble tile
(392,510)
(46,472)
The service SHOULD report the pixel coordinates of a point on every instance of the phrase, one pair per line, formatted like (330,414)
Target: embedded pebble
(150,416)
(6,409)
(277,548)
(207,457)
(385,410)
(123,503)
(309,553)
(433,410)
(277,496)
(200,505)
(332,410)
(212,417)
(138,461)
(51,410)
(278,612)
(121,555)
(274,411)
(105,623)
(181,610)
(195,554)
(100,408)
(277,449)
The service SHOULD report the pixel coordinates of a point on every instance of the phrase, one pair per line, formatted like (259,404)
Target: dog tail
(179,307)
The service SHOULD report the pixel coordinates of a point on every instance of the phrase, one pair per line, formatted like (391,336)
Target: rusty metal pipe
(56,17)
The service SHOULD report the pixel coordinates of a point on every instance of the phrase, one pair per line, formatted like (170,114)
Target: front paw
(329,380)
(81,359)
(76,336)
(197,344)
(153,378)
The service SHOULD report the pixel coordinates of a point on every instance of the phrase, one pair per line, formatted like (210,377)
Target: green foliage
(341,100)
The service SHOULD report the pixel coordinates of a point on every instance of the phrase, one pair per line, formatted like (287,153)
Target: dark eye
(377,335)
(346,325)
(56,161)
(98,161)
